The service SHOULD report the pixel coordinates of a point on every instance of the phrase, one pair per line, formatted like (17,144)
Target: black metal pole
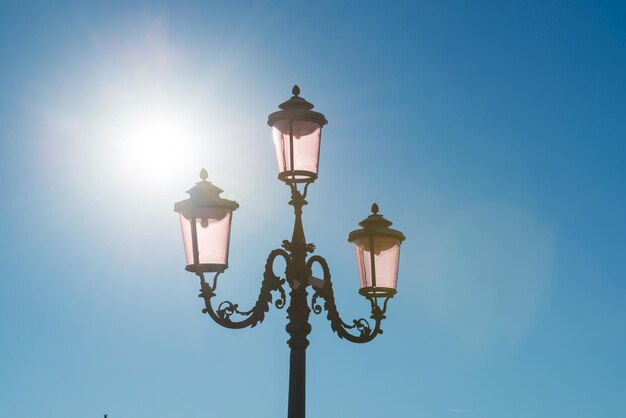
(297,383)
(298,330)
(298,312)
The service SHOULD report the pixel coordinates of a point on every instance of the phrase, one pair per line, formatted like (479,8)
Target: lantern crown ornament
(376,225)
(296,108)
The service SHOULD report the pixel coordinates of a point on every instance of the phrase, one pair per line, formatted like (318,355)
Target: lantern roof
(205,194)
(296,108)
(376,225)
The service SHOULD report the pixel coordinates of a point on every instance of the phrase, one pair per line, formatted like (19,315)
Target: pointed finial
(203,175)
(375,209)
(295,90)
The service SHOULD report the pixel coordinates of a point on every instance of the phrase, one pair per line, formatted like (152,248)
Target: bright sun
(151,111)
(156,142)
(152,141)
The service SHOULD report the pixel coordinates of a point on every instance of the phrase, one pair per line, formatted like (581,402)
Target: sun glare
(151,140)
(142,117)
(150,112)
(155,142)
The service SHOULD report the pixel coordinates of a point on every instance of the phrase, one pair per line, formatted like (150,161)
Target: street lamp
(206,218)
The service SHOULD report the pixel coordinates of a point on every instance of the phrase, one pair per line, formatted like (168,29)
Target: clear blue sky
(493,134)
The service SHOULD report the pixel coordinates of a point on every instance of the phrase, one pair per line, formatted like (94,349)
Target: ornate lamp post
(206,217)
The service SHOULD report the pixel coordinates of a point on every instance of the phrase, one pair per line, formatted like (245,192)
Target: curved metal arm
(226,309)
(366,333)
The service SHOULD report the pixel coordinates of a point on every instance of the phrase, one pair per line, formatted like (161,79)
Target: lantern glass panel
(306,146)
(213,234)
(386,259)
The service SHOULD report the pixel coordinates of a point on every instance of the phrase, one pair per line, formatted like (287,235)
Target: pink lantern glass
(382,269)
(304,159)
(212,226)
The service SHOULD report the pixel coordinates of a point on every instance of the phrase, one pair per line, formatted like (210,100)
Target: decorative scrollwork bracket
(365,331)
(226,309)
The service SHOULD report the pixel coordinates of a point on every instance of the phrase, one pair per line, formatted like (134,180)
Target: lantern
(297,132)
(205,221)
(377,250)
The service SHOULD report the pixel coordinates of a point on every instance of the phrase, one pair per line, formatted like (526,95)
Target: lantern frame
(297,109)
(204,195)
(372,227)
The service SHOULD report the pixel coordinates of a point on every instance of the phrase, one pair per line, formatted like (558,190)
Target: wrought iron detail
(280,303)
(226,309)
(298,276)
(316,307)
(309,248)
(338,325)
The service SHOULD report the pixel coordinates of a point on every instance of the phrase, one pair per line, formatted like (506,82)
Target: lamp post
(206,218)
